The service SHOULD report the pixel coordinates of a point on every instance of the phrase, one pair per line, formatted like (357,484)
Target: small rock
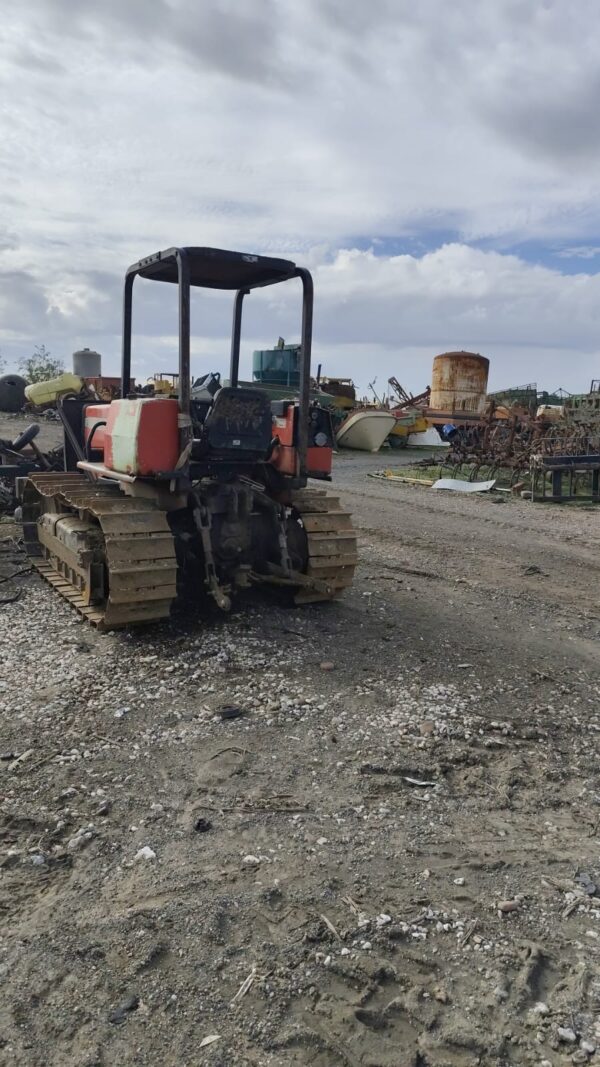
(321,841)
(123,1010)
(426,728)
(506,906)
(366,945)
(231,711)
(81,838)
(587,884)
(38,860)
(327,665)
(145,853)
(104,808)
(70,791)
(459,881)
(566,1035)
(251,861)
(540,1008)
(202,826)
(588,1046)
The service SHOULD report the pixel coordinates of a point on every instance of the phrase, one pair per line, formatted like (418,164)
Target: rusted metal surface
(459,382)
(123,572)
(332,550)
(509,444)
(406,399)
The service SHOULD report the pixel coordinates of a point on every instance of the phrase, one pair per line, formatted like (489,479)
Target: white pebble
(145,853)
(540,1008)
(566,1035)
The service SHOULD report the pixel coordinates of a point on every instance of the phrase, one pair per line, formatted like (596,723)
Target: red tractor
(206,491)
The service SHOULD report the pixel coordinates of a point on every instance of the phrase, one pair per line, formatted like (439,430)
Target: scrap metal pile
(20,457)
(507,441)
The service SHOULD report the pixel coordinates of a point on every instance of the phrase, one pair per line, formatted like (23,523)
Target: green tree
(40,366)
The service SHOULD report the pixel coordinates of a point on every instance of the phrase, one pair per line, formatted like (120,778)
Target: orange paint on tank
(319,460)
(93,414)
(142,436)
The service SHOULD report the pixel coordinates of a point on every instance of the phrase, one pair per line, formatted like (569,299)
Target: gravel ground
(389,859)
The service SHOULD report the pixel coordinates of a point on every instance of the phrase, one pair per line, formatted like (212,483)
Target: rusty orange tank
(459,382)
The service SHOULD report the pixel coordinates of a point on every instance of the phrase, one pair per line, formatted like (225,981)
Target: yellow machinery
(164,384)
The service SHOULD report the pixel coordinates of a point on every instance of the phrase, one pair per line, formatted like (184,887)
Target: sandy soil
(388,863)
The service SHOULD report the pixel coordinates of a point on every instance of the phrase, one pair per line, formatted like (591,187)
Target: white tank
(87,363)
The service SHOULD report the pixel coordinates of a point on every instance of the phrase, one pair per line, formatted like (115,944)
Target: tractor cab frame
(214,268)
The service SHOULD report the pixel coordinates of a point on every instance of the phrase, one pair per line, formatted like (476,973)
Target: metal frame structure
(214,268)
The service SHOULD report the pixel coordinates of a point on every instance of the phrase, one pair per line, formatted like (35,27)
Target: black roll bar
(236,333)
(180,255)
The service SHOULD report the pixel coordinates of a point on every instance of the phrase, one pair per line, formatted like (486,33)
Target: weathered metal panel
(459,382)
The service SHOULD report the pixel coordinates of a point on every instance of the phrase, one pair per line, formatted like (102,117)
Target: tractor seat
(239,423)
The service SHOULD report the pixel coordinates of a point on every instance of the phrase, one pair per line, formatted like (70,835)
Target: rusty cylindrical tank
(459,382)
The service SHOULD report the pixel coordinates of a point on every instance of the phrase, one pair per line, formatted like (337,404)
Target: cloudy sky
(435,164)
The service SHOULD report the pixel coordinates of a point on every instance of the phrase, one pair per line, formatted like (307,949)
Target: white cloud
(296,128)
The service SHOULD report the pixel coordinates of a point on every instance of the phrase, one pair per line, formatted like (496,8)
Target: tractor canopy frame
(215,268)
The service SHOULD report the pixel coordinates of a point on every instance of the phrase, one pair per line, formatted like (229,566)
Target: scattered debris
(202,826)
(230,711)
(120,1014)
(330,927)
(457,485)
(245,986)
(144,853)
(20,759)
(210,1040)
(587,884)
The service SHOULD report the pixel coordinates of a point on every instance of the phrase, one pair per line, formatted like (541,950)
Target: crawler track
(332,551)
(123,570)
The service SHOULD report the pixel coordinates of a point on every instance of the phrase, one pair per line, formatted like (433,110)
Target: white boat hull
(365,430)
(428,439)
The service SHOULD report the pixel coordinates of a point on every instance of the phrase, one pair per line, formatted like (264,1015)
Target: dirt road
(387,863)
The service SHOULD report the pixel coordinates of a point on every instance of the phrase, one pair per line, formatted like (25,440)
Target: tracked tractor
(203,493)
